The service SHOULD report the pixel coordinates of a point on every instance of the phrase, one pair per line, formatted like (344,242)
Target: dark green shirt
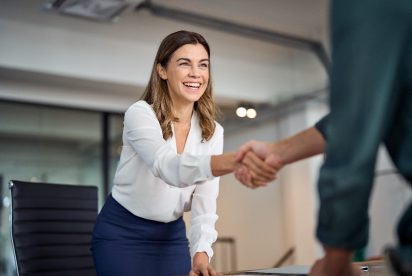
(370,104)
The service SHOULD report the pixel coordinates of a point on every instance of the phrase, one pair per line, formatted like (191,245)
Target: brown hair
(157,94)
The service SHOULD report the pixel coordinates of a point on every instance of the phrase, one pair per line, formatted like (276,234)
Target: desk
(372,268)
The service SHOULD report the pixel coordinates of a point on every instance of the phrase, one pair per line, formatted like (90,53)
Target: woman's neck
(184,113)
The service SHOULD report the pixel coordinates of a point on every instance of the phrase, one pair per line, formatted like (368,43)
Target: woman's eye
(204,65)
(184,63)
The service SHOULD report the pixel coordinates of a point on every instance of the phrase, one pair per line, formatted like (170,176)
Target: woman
(169,162)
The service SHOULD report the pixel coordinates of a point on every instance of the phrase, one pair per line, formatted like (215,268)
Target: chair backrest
(52,227)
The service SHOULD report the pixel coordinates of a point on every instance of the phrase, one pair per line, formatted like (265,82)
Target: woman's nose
(194,71)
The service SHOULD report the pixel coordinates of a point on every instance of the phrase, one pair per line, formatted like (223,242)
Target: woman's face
(187,73)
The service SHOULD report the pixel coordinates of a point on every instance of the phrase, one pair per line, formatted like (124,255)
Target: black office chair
(52,227)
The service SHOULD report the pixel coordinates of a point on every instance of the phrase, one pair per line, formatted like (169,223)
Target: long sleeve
(202,233)
(321,126)
(144,134)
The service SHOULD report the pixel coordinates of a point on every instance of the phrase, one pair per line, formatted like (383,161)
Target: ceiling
(42,47)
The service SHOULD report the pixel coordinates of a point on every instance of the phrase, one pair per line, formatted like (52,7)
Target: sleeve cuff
(321,126)
(202,247)
(206,168)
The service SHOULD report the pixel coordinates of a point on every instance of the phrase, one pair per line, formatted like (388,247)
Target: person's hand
(319,269)
(255,172)
(201,266)
(337,262)
(259,164)
(262,149)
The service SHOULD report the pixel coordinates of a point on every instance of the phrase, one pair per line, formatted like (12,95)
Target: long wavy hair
(157,93)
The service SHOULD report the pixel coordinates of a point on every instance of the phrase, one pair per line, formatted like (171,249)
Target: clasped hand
(257,164)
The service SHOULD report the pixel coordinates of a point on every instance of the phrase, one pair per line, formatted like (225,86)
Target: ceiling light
(241,111)
(251,113)
(245,109)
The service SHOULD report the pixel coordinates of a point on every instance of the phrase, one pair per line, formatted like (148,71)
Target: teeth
(192,84)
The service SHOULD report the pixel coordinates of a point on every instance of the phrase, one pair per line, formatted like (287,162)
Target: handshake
(257,163)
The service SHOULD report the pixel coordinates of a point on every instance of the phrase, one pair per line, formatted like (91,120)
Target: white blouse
(152,181)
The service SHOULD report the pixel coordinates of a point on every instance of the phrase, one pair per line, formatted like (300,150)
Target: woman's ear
(161,71)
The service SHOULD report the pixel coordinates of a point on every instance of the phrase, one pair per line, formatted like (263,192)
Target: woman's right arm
(143,132)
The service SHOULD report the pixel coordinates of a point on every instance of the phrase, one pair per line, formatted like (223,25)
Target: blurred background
(70,68)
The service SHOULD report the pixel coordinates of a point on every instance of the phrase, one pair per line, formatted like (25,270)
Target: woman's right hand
(258,164)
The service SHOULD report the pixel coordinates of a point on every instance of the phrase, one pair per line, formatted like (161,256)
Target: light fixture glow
(241,111)
(251,113)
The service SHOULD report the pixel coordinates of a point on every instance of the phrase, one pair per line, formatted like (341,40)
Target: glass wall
(54,145)
(115,142)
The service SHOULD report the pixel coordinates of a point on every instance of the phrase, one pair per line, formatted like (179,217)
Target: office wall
(298,182)
(269,221)
(253,217)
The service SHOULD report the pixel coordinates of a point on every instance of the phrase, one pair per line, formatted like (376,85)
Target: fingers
(212,272)
(260,170)
(255,171)
(204,272)
(208,271)
(243,176)
(201,266)
(261,149)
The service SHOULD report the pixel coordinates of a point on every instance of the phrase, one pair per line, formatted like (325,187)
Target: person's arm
(261,172)
(302,145)
(277,154)
(202,232)
(305,144)
(222,164)
(142,131)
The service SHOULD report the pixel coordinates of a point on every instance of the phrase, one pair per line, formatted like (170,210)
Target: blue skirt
(126,245)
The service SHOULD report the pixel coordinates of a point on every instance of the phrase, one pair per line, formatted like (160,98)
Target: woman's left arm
(202,233)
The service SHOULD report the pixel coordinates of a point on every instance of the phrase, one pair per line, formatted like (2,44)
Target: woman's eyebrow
(183,59)
(187,59)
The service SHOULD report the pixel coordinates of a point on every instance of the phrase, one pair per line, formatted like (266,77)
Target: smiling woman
(170,163)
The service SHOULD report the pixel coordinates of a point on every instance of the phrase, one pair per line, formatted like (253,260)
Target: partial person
(169,164)
(370,104)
